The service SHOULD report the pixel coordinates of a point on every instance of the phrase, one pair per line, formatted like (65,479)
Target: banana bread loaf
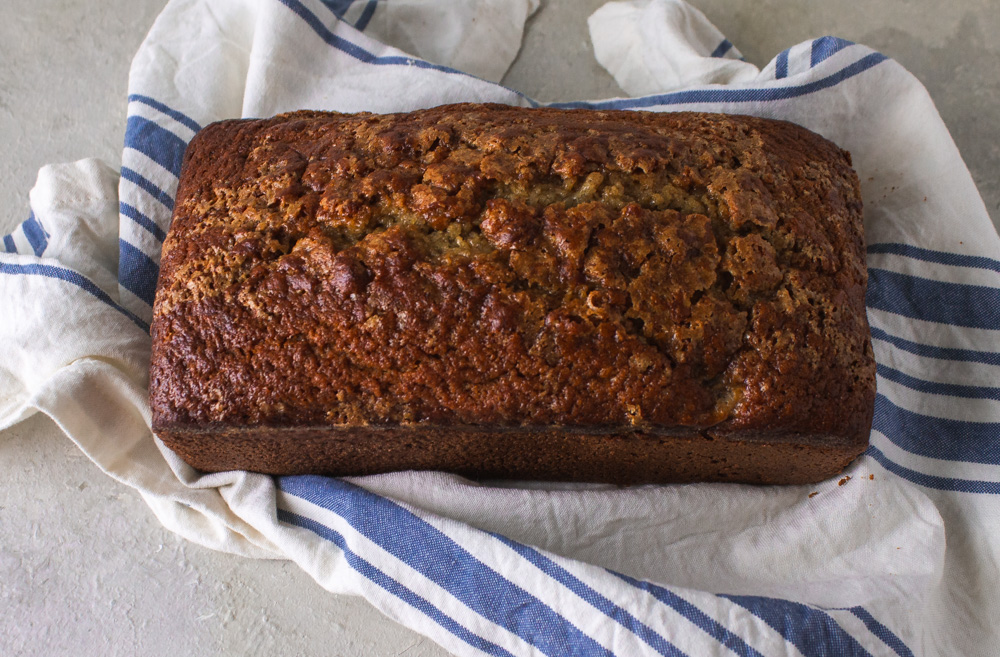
(515,293)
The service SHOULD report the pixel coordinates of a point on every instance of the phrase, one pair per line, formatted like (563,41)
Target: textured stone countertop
(85,567)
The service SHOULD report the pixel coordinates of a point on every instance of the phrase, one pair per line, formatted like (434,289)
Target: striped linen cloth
(901,558)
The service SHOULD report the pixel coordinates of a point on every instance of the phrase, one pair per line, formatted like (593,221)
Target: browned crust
(473,274)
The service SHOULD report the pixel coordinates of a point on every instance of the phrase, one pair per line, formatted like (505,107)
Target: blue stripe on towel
(142,220)
(144,183)
(935,437)
(813,631)
(940,257)
(390,585)
(754,95)
(595,599)
(362,55)
(35,233)
(70,276)
(412,540)
(936,387)
(933,481)
(338,7)
(974,306)
(942,353)
(708,624)
(722,48)
(826,47)
(180,117)
(882,632)
(781,65)
(366,15)
(137,272)
(155,142)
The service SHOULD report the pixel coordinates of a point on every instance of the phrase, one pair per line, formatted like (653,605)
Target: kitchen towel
(898,557)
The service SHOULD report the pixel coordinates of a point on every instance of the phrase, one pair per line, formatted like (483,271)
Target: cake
(504,292)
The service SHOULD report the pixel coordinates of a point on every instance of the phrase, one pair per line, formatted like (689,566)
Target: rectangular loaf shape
(520,293)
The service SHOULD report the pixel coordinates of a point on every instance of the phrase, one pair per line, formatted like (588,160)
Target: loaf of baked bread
(519,293)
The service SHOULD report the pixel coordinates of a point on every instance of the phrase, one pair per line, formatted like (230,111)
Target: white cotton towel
(899,559)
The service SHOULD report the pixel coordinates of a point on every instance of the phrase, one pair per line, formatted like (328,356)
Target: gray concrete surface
(85,568)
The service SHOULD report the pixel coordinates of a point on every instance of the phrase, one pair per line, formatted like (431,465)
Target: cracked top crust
(494,266)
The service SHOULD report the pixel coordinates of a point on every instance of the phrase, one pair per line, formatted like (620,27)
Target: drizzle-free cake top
(482,265)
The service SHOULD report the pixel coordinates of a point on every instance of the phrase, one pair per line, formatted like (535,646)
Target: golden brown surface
(487,267)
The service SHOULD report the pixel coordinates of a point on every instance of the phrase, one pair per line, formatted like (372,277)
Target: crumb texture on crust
(496,266)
